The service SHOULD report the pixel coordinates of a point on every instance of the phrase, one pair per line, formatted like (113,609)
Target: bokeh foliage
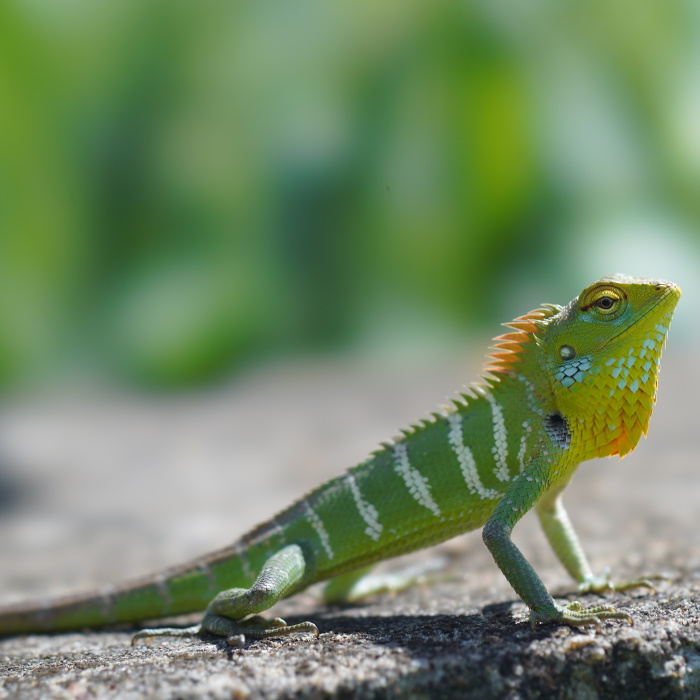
(185,185)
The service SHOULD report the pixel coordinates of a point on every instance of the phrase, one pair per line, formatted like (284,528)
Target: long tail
(182,589)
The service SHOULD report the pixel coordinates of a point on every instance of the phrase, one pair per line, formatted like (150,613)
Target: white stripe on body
(523,444)
(500,436)
(279,530)
(466,460)
(366,509)
(162,584)
(317,524)
(107,597)
(416,483)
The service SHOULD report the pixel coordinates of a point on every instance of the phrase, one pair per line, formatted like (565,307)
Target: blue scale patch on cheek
(573,371)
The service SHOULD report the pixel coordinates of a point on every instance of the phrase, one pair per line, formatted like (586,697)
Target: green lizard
(567,384)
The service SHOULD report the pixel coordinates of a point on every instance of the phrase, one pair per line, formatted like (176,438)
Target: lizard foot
(235,631)
(193,631)
(576,615)
(254,627)
(602,584)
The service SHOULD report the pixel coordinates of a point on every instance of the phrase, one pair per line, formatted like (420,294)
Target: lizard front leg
(228,613)
(565,543)
(522,495)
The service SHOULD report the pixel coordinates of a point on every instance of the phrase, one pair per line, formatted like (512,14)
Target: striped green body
(441,479)
(488,458)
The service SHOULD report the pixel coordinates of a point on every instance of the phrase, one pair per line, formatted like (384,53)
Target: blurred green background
(189,187)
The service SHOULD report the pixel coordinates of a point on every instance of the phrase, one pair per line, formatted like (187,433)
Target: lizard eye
(606,302)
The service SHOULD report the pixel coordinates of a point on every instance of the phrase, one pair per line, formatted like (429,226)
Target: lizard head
(601,354)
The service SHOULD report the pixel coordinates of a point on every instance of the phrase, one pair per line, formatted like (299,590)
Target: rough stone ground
(102,487)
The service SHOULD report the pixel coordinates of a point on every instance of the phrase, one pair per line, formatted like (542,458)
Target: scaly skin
(567,384)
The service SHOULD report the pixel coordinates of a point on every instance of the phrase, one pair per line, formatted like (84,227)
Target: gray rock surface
(108,487)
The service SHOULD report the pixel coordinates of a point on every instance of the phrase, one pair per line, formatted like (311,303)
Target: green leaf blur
(188,186)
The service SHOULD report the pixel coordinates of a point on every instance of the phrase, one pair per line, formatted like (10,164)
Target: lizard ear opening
(566,352)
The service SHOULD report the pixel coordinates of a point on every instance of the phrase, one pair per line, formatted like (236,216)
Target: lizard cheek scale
(563,385)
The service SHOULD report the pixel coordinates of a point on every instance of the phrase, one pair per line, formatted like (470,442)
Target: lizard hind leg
(282,573)
(233,613)
(355,586)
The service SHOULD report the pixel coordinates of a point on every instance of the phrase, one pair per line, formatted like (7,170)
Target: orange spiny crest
(525,326)
(515,337)
(509,346)
(506,346)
